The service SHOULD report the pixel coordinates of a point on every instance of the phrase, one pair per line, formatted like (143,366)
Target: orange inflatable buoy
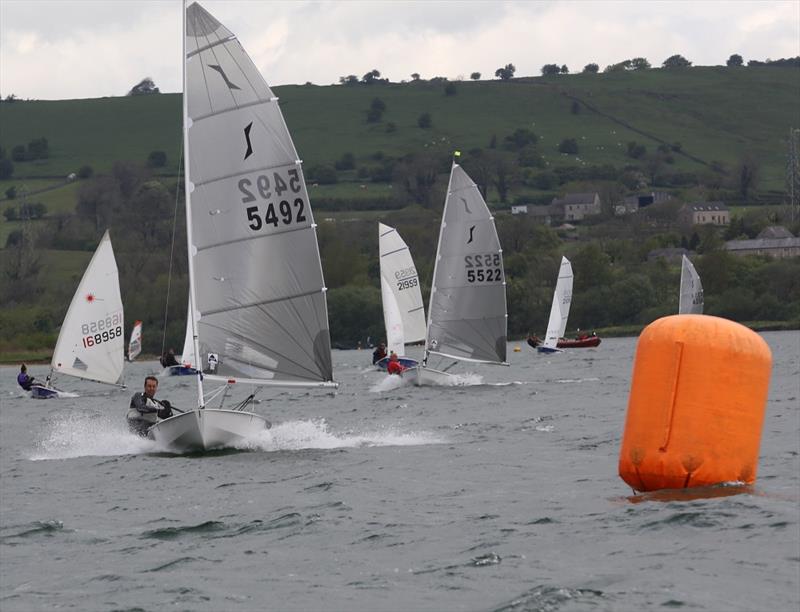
(697,403)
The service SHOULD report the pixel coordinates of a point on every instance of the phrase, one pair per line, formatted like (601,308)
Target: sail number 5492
(288,210)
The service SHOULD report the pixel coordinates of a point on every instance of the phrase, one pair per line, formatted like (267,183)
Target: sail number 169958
(287,211)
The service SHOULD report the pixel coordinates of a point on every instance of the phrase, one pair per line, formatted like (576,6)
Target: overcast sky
(58,49)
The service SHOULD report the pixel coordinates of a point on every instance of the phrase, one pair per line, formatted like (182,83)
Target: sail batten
(272,383)
(233,108)
(227,242)
(210,46)
(467,314)
(258,288)
(261,303)
(245,172)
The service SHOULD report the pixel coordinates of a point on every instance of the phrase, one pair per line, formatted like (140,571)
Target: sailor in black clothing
(145,409)
(168,359)
(379,353)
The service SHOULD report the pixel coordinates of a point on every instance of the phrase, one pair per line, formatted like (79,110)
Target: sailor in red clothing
(394,366)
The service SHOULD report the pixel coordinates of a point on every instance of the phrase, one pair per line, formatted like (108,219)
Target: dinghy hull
(42,392)
(201,430)
(180,370)
(586,342)
(406,362)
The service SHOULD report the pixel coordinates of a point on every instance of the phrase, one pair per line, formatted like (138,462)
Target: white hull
(423,376)
(201,430)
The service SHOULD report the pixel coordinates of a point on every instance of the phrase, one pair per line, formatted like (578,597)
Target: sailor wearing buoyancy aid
(145,410)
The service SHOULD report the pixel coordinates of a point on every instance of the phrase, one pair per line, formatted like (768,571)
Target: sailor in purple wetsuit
(24,381)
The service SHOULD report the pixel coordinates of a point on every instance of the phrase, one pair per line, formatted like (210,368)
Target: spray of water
(86,435)
(297,435)
(80,434)
(389,383)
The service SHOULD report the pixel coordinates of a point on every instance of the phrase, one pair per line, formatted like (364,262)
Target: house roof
(762,243)
(576,198)
(775,231)
(707,207)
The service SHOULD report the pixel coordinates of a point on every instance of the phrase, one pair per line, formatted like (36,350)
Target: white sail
(258,294)
(187,355)
(559,311)
(91,342)
(467,315)
(135,344)
(691,298)
(403,310)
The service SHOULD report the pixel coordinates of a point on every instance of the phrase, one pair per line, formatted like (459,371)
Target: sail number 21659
(287,210)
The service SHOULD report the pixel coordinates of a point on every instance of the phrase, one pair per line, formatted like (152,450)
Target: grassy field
(716,113)
(63,267)
(96,132)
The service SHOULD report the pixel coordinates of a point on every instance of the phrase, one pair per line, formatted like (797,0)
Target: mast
(188,187)
(436,262)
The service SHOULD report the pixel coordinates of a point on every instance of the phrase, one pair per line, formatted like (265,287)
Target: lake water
(501,495)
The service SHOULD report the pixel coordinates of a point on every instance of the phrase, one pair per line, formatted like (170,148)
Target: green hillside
(716,113)
(697,125)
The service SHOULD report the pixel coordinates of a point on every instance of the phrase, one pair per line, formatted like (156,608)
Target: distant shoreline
(629,331)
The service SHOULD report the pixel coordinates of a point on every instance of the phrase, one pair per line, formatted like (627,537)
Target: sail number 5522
(483,268)
(287,211)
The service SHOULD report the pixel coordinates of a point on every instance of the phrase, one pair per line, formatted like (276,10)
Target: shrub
(322,174)
(520,139)
(424,121)
(157,159)
(6,168)
(568,145)
(346,162)
(636,150)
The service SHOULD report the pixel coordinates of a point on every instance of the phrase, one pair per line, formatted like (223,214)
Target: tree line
(616,283)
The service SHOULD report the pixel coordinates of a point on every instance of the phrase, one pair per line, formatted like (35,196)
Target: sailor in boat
(394,366)
(379,353)
(168,359)
(24,379)
(145,409)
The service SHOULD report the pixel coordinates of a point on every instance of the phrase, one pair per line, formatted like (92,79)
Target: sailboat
(691,297)
(258,309)
(91,342)
(135,344)
(467,318)
(559,310)
(559,313)
(188,362)
(403,310)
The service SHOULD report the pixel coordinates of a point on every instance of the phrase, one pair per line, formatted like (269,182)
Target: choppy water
(481,497)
